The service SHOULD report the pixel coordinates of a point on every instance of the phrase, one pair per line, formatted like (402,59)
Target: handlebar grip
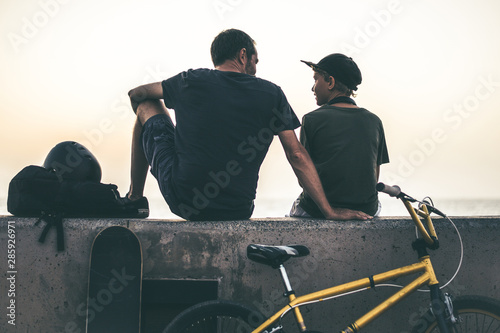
(393,191)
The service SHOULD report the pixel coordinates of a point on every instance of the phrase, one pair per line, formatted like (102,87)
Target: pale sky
(430,72)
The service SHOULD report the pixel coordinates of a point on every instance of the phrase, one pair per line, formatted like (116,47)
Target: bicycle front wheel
(475,314)
(216,317)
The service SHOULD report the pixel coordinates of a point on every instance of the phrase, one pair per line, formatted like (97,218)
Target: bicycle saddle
(274,256)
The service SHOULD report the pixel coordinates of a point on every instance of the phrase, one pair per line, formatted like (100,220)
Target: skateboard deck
(115,282)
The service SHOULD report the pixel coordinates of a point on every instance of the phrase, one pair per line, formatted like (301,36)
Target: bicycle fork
(442,309)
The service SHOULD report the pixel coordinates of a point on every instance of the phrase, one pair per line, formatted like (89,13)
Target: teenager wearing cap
(207,164)
(345,142)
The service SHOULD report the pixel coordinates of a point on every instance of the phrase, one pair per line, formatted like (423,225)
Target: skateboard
(115,282)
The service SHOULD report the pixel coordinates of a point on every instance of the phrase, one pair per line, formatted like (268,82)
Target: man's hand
(347,214)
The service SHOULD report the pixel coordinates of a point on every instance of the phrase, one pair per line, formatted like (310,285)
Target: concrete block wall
(51,287)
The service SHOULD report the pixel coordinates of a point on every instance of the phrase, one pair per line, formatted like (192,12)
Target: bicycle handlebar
(429,234)
(393,191)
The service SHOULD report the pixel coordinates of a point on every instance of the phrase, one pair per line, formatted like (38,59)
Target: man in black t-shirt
(207,164)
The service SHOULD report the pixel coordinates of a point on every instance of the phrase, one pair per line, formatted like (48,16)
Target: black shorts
(158,140)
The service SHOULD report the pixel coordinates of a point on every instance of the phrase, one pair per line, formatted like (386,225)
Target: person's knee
(148,109)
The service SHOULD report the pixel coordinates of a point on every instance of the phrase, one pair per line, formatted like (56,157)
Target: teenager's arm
(308,177)
(145,92)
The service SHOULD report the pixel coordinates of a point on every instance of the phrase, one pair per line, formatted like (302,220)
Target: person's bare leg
(139,164)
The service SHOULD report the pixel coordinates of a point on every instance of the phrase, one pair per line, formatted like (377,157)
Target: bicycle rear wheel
(216,317)
(475,314)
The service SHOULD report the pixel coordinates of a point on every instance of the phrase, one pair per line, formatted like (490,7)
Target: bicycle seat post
(290,294)
(286,281)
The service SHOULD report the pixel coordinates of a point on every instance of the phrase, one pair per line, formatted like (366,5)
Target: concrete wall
(51,286)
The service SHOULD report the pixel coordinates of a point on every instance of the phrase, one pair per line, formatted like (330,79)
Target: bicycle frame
(424,266)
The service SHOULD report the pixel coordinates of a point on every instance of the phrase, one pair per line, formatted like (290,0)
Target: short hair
(228,44)
(339,86)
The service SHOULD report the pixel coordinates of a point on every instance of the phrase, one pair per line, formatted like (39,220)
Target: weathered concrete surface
(51,287)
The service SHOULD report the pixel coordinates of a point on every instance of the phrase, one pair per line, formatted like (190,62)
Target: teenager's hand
(347,214)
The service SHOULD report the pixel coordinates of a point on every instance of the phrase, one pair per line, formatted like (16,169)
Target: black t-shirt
(346,145)
(225,122)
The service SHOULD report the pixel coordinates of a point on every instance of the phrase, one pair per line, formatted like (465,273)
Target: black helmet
(71,160)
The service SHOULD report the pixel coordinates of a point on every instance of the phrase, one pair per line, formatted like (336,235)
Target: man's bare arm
(145,92)
(308,177)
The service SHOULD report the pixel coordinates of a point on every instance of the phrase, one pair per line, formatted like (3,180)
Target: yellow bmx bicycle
(471,314)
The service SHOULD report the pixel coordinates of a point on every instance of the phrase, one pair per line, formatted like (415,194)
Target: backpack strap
(52,220)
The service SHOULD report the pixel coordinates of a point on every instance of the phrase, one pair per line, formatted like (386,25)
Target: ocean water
(394,207)
(279,207)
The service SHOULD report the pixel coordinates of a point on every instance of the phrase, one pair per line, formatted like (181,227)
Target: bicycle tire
(476,314)
(216,317)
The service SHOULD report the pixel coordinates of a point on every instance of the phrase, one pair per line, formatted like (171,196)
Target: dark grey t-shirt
(346,145)
(225,122)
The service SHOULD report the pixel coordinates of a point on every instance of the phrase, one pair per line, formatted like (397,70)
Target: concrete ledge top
(285,223)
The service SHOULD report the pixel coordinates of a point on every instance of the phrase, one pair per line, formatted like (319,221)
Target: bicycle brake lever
(407,197)
(434,210)
(430,207)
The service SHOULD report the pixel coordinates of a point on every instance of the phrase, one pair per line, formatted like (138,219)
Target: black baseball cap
(341,67)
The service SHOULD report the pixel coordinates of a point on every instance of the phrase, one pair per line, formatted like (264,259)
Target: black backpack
(38,192)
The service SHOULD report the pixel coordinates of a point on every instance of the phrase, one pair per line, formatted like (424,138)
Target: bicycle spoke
(477,322)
